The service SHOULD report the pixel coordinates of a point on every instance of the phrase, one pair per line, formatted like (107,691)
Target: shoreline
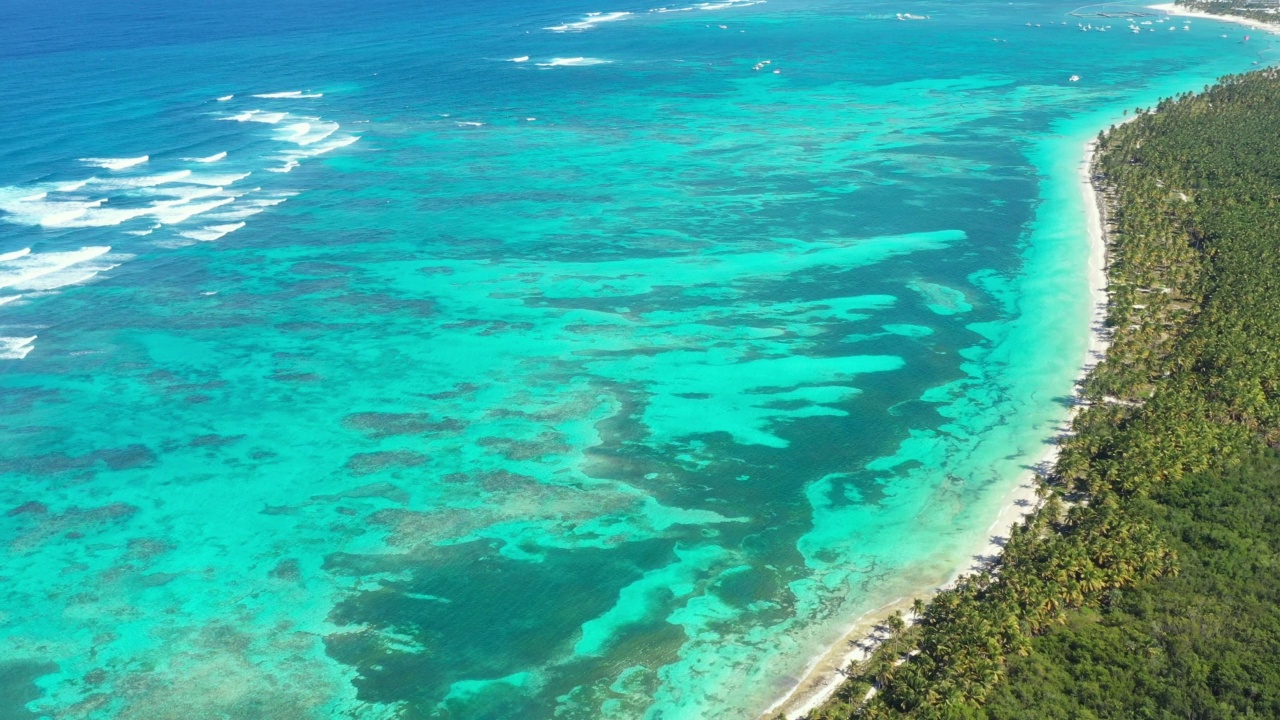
(1179,11)
(825,673)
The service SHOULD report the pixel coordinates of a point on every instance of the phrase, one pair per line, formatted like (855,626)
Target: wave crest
(115,163)
(590,21)
(574,62)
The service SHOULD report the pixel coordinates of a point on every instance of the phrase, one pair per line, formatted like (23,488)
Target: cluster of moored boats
(1134,26)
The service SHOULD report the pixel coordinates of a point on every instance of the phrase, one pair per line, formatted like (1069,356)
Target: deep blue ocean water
(506,360)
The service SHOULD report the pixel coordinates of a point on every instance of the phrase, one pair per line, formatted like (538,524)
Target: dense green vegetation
(1146,585)
(1260,10)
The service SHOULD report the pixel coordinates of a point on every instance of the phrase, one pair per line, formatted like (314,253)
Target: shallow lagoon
(463,387)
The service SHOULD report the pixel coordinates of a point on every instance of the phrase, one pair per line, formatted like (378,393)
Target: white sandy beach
(1172,9)
(824,676)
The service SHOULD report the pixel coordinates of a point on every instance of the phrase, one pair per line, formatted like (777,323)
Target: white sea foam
(725,5)
(204,206)
(590,21)
(69,213)
(212,232)
(97,216)
(218,180)
(274,199)
(261,116)
(139,181)
(69,187)
(186,193)
(15,348)
(522,58)
(291,133)
(574,62)
(290,94)
(236,212)
(171,214)
(37,210)
(470,124)
(50,270)
(115,163)
(225,98)
(174,243)
(319,148)
(307,133)
(212,158)
(42,210)
(249,207)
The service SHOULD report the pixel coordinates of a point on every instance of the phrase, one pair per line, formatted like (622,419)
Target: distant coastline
(1181,11)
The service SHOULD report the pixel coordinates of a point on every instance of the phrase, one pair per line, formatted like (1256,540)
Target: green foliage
(1142,587)
(1204,644)
(1251,9)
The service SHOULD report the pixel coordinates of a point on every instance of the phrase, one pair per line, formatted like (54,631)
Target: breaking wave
(291,94)
(178,202)
(573,62)
(115,163)
(590,21)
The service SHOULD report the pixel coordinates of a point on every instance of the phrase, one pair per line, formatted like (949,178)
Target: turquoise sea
(524,360)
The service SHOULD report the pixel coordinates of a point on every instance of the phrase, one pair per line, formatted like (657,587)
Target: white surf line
(288,95)
(115,163)
(574,62)
(590,21)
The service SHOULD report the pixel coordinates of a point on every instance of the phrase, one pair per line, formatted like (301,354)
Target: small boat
(1074,78)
